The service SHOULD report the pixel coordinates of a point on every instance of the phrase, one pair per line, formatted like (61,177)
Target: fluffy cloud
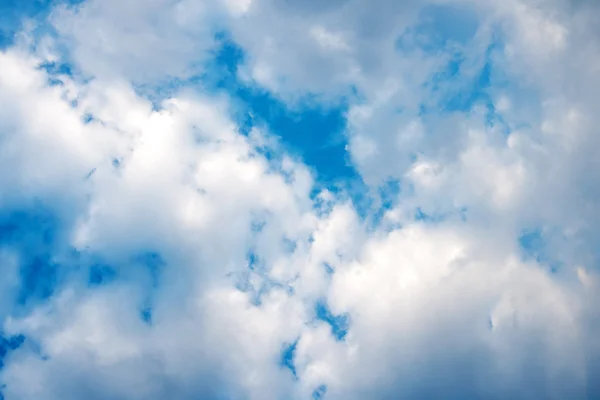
(156,246)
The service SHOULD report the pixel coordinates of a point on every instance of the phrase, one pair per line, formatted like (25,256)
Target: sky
(299,199)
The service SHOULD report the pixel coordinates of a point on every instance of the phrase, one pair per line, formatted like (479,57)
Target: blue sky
(258,199)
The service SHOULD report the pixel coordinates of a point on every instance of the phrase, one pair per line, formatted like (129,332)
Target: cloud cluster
(156,246)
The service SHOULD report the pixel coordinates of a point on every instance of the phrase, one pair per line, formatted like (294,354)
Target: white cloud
(139,41)
(239,7)
(446,307)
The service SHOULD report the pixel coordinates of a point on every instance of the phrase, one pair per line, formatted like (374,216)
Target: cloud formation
(183,215)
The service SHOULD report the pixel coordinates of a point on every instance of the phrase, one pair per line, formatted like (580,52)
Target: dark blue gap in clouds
(101,274)
(8,344)
(154,264)
(39,277)
(339,323)
(38,238)
(146,314)
(32,233)
(56,71)
(253,260)
(32,227)
(288,354)
(319,392)
(312,130)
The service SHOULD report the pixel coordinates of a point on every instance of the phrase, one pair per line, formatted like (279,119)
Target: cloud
(388,200)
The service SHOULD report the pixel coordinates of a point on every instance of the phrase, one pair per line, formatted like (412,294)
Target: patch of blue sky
(101,274)
(340,324)
(39,278)
(353,190)
(388,193)
(152,269)
(145,269)
(458,89)
(253,260)
(319,393)
(37,237)
(35,347)
(420,215)
(329,268)
(154,264)
(83,267)
(255,280)
(392,191)
(459,85)
(13,14)
(310,130)
(9,344)
(29,227)
(287,358)
(246,279)
(57,71)
(440,26)
(33,234)
(385,200)
(146,314)
(322,206)
(535,246)
(57,68)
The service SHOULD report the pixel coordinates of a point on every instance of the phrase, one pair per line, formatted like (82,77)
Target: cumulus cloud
(155,244)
